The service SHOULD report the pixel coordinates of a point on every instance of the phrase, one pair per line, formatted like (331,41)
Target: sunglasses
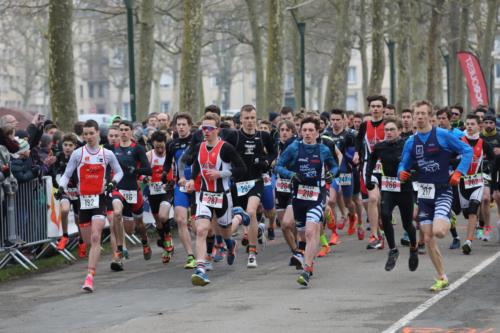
(208,128)
(455,113)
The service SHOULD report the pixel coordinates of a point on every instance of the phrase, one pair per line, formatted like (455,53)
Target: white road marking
(433,300)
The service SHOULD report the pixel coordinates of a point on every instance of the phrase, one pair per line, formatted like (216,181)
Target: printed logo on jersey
(428,166)
(87,158)
(419,151)
(249,147)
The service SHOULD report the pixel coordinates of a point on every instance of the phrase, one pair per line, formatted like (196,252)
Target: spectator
(35,129)
(163,120)
(9,119)
(50,129)
(78,129)
(7,138)
(22,166)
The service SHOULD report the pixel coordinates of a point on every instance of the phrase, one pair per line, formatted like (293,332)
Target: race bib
(391,184)
(72,193)
(426,191)
(211,199)
(156,188)
(487,176)
(267,179)
(89,202)
(129,196)
(473,181)
(345,179)
(378,167)
(284,185)
(310,193)
(244,187)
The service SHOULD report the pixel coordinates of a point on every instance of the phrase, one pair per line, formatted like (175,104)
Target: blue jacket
(21,169)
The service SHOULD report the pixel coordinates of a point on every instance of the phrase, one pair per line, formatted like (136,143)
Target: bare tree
(378,54)
(147,49)
(403,57)
(432,44)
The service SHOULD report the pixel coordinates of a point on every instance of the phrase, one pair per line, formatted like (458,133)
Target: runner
(303,162)
(90,161)
(431,148)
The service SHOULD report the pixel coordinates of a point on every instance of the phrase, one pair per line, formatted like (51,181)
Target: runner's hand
(110,187)
(455,178)
(297,178)
(213,174)
(182,181)
(59,193)
(261,164)
(328,177)
(190,186)
(404,175)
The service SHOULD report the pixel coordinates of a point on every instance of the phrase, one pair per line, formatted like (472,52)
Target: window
(352,102)
(351,75)
(165,80)
(165,107)
(101,90)
(91,90)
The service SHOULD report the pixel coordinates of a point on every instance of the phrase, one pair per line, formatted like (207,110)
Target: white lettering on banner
(129,196)
(211,199)
(283,185)
(472,181)
(391,184)
(426,191)
(345,179)
(474,79)
(310,193)
(244,187)
(89,202)
(156,188)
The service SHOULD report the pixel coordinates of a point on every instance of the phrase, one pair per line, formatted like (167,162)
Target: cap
(273,115)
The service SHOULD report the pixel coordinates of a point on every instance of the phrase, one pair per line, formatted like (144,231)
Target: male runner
(407,122)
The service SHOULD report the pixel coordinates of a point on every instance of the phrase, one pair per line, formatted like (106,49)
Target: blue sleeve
(290,154)
(407,159)
(451,143)
(327,159)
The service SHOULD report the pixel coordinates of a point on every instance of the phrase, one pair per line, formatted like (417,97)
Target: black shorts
(283,200)
(86,215)
(242,201)
(356,185)
(73,204)
(156,200)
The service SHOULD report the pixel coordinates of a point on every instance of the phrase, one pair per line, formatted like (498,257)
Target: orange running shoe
(334,240)
(330,222)
(324,250)
(353,221)
(82,250)
(361,232)
(89,284)
(342,222)
(62,243)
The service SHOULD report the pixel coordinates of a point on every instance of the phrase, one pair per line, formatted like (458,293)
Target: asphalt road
(349,292)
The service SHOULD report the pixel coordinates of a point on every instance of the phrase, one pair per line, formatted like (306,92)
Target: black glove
(6,171)
(164,177)
(130,169)
(59,193)
(35,170)
(110,187)
(261,164)
(328,177)
(370,186)
(297,179)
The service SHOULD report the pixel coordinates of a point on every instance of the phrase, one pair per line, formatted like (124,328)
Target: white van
(102,119)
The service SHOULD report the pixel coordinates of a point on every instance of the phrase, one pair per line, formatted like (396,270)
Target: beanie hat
(273,115)
(23,146)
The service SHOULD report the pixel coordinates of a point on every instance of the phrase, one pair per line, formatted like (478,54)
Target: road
(349,292)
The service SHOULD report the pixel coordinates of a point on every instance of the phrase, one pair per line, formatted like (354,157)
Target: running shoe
(353,221)
(439,285)
(405,241)
(62,243)
(467,247)
(391,259)
(298,261)
(89,283)
(487,233)
(244,240)
(324,250)
(342,222)
(190,263)
(330,222)
(374,243)
(413,260)
(231,254)
(361,232)
(146,251)
(199,278)
(260,233)
(252,260)
(82,250)
(421,248)
(117,262)
(455,244)
(125,254)
(382,242)
(334,239)
(270,234)
(245,218)
(220,253)
(168,244)
(479,234)
(209,266)
(304,278)
(165,257)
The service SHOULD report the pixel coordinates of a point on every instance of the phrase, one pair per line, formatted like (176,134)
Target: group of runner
(298,172)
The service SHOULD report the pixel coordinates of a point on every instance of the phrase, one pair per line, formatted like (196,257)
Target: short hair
(90,123)
(376,97)
(212,117)
(481,108)
(394,120)
(49,127)
(71,138)
(473,116)
(158,136)
(430,107)
(349,113)
(267,123)
(299,115)
(314,114)
(289,124)
(248,108)
(339,112)
(311,120)
(390,107)
(78,128)
(113,127)
(367,114)
(184,115)
(446,110)
(57,136)
(358,115)
(459,107)
(225,124)
(407,111)
(212,108)
(286,110)
(126,123)
(8,130)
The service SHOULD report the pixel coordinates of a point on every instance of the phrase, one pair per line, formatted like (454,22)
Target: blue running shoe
(245,218)
(297,260)
(455,244)
(231,254)
(304,278)
(219,253)
(199,278)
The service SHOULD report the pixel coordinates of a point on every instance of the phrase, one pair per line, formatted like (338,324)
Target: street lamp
(302,31)
(390,46)
(131,66)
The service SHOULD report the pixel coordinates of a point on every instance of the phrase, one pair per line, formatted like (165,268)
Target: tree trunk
(462,44)
(61,70)
(417,52)
(175,83)
(201,93)
(432,44)
(487,47)
(336,87)
(295,56)
(147,45)
(190,59)
(274,74)
(453,41)
(362,51)
(257,55)
(403,57)
(378,54)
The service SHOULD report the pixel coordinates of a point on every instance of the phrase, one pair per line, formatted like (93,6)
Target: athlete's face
(434,120)
(443,121)
(163,120)
(357,123)
(91,136)
(210,134)
(287,116)
(481,116)
(376,109)
(113,137)
(285,133)
(297,122)
(309,133)
(421,116)
(407,120)
(248,120)
(153,122)
(321,125)
(350,120)
(125,133)
(471,126)
(455,114)
(159,147)
(389,112)
(391,131)
(337,122)
(68,148)
(489,125)
(264,128)
(183,128)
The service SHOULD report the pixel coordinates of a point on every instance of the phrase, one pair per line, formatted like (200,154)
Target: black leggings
(404,200)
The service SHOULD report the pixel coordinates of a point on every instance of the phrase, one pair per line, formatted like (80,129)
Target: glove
(297,178)
(329,177)
(404,175)
(6,171)
(164,177)
(455,178)
(35,170)
(370,186)
(59,193)
(110,187)
(130,169)
(261,164)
